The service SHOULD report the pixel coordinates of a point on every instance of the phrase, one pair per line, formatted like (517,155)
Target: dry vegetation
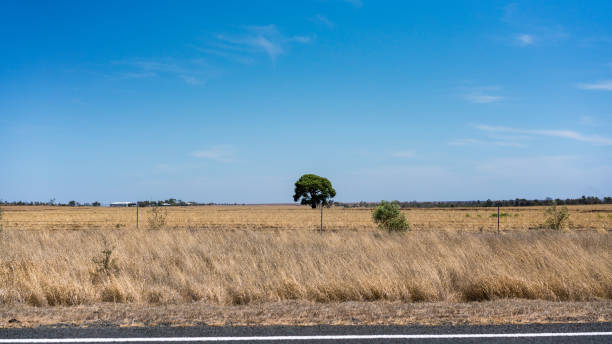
(244,267)
(597,217)
(308,313)
(228,257)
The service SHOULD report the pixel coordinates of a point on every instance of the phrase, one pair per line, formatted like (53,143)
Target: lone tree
(314,191)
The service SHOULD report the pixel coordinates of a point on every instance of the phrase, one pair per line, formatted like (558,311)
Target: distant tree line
(518,202)
(167,202)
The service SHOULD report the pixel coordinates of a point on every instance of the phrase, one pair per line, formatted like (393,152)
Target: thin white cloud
(266,39)
(221,153)
(323,20)
(403,154)
(301,39)
(566,134)
(191,72)
(597,86)
(482,94)
(481,98)
(526,29)
(524,39)
(469,142)
(245,60)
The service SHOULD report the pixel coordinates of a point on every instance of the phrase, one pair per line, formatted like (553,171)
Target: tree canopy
(313,190)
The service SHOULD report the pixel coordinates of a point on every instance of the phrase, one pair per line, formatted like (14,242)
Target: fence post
(498,205)
(321,230)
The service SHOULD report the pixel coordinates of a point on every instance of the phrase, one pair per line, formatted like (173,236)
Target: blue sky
(233,101)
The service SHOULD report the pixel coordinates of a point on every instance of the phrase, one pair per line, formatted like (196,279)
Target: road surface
(552,333)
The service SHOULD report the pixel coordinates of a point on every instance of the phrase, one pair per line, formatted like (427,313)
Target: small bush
(500,215)
(106,265)
(467,215)
(388,216)
(158,217)
(558,217)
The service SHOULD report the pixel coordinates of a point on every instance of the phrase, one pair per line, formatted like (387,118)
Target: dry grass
(597,217)
(266,265)
(308,313)
(238,267)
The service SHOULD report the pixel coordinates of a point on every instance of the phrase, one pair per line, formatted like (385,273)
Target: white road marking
(324,337)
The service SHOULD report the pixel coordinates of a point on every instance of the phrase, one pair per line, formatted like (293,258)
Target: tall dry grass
(233,267)
(598,217)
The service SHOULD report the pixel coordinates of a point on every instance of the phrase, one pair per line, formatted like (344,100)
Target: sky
(232,101)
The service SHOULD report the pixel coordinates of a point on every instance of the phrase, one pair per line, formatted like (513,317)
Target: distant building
(123,204)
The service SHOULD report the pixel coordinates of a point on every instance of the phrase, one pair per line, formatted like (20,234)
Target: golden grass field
(597,217)
(265,255)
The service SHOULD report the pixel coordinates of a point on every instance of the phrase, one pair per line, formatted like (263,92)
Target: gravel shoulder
(309,314)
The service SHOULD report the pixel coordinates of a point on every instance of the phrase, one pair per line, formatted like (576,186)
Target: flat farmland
(592,217)
(268,265)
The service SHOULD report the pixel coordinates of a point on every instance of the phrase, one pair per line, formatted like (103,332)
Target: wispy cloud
(480,98)
(526,30)
(469,142)
(265,39)
(194,72)
(524,39)
(323,20)
(403,154)
(566,134)
(220,153)
(597,86)
(483,95)
(245,60)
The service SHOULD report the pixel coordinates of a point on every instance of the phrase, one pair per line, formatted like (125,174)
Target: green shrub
(106,265)
(500,215)
(388,216)
(558,217)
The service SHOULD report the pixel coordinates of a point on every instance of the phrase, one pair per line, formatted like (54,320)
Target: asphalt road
(552,333)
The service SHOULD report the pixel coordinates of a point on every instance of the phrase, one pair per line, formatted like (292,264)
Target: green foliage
(558,217)
(500,215)
(467,215)
(96,204)
(157,220)
(106,265)
(388,216)
(313,190)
